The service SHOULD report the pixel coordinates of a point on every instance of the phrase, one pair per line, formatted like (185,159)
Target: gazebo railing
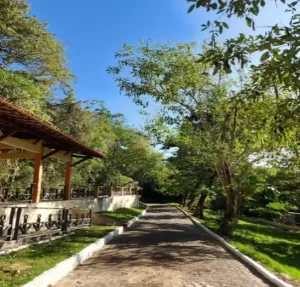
(52,194)
(9,195)
(15,194)
(80,192)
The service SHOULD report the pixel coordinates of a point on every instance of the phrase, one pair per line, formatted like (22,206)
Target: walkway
(162,249)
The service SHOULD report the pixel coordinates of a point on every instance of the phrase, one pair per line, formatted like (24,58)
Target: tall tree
(225,125)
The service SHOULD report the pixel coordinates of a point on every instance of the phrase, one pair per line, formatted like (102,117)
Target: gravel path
(162,249)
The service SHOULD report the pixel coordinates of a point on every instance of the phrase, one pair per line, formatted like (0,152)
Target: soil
(164,248)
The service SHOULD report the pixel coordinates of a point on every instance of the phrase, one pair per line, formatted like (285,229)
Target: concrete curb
(259,268)
(62,269)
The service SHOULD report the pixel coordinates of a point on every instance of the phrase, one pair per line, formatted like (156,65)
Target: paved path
(162,249)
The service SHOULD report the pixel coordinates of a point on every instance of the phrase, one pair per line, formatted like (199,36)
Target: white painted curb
(259,268)
(62,269)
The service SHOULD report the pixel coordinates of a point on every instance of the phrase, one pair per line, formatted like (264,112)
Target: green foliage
(276,249)
(18,87)
(278,46)
(215,126)
(130,156)
(218,202)
(22,266)
(26,45)
(122,214)
(274,211)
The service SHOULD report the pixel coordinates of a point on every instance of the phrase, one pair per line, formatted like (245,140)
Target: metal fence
(292,218)
(36,224)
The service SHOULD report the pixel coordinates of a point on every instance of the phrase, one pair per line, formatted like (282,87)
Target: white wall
(45,208)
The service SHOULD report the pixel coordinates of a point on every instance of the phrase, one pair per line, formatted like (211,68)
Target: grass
(175,204)
(22,266)
(277,249)
(122,214)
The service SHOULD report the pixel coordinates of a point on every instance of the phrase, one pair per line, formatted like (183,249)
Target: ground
(277,249)
(162,249)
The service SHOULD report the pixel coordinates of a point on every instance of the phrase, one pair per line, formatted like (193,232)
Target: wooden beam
(23,144)
(17,155)
(51,153)
(6,135)
(78,155)
(37,177)
(4,146)
(80,161)
(68,180)
(6,150)
(59,155)
(28,145)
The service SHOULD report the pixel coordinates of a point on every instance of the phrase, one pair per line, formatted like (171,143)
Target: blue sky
(93,30)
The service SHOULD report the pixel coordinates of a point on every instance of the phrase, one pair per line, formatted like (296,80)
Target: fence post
(90,216)
(122,190)
(32,186)
(65,219)
(11,222)
(16,231)
(97,191)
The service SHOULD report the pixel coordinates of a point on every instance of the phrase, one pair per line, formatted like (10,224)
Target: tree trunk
(231,212)
(185,199)
(200,205)
(230,218)
(191,201)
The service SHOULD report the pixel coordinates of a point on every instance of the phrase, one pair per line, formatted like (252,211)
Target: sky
(93,30)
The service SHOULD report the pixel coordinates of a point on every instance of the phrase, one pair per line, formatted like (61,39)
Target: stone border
(62,269)
(259,268)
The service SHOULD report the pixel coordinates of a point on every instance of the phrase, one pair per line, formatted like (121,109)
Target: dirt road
(162,249)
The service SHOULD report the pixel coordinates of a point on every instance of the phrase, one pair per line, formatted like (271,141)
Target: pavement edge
(62,269)
(259,268)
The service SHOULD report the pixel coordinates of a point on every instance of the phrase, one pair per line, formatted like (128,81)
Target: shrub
(272,211)
(218,202)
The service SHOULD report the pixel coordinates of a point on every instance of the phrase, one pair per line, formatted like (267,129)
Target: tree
(130,157)
(278,46)
(26,45)
(225,126)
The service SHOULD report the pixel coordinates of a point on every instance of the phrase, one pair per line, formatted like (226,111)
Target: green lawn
(122,214)
(22,266)
(275,248)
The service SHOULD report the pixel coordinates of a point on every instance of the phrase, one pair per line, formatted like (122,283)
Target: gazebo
(38,140)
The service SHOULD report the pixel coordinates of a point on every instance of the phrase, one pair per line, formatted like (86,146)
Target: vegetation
(122,214)
(33,72)
(22,266)
(275,248)
(229,141)
(218,133)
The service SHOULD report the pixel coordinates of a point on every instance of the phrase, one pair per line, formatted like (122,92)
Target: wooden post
(68,180)
(122,191)
(37,177)
(97,191)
